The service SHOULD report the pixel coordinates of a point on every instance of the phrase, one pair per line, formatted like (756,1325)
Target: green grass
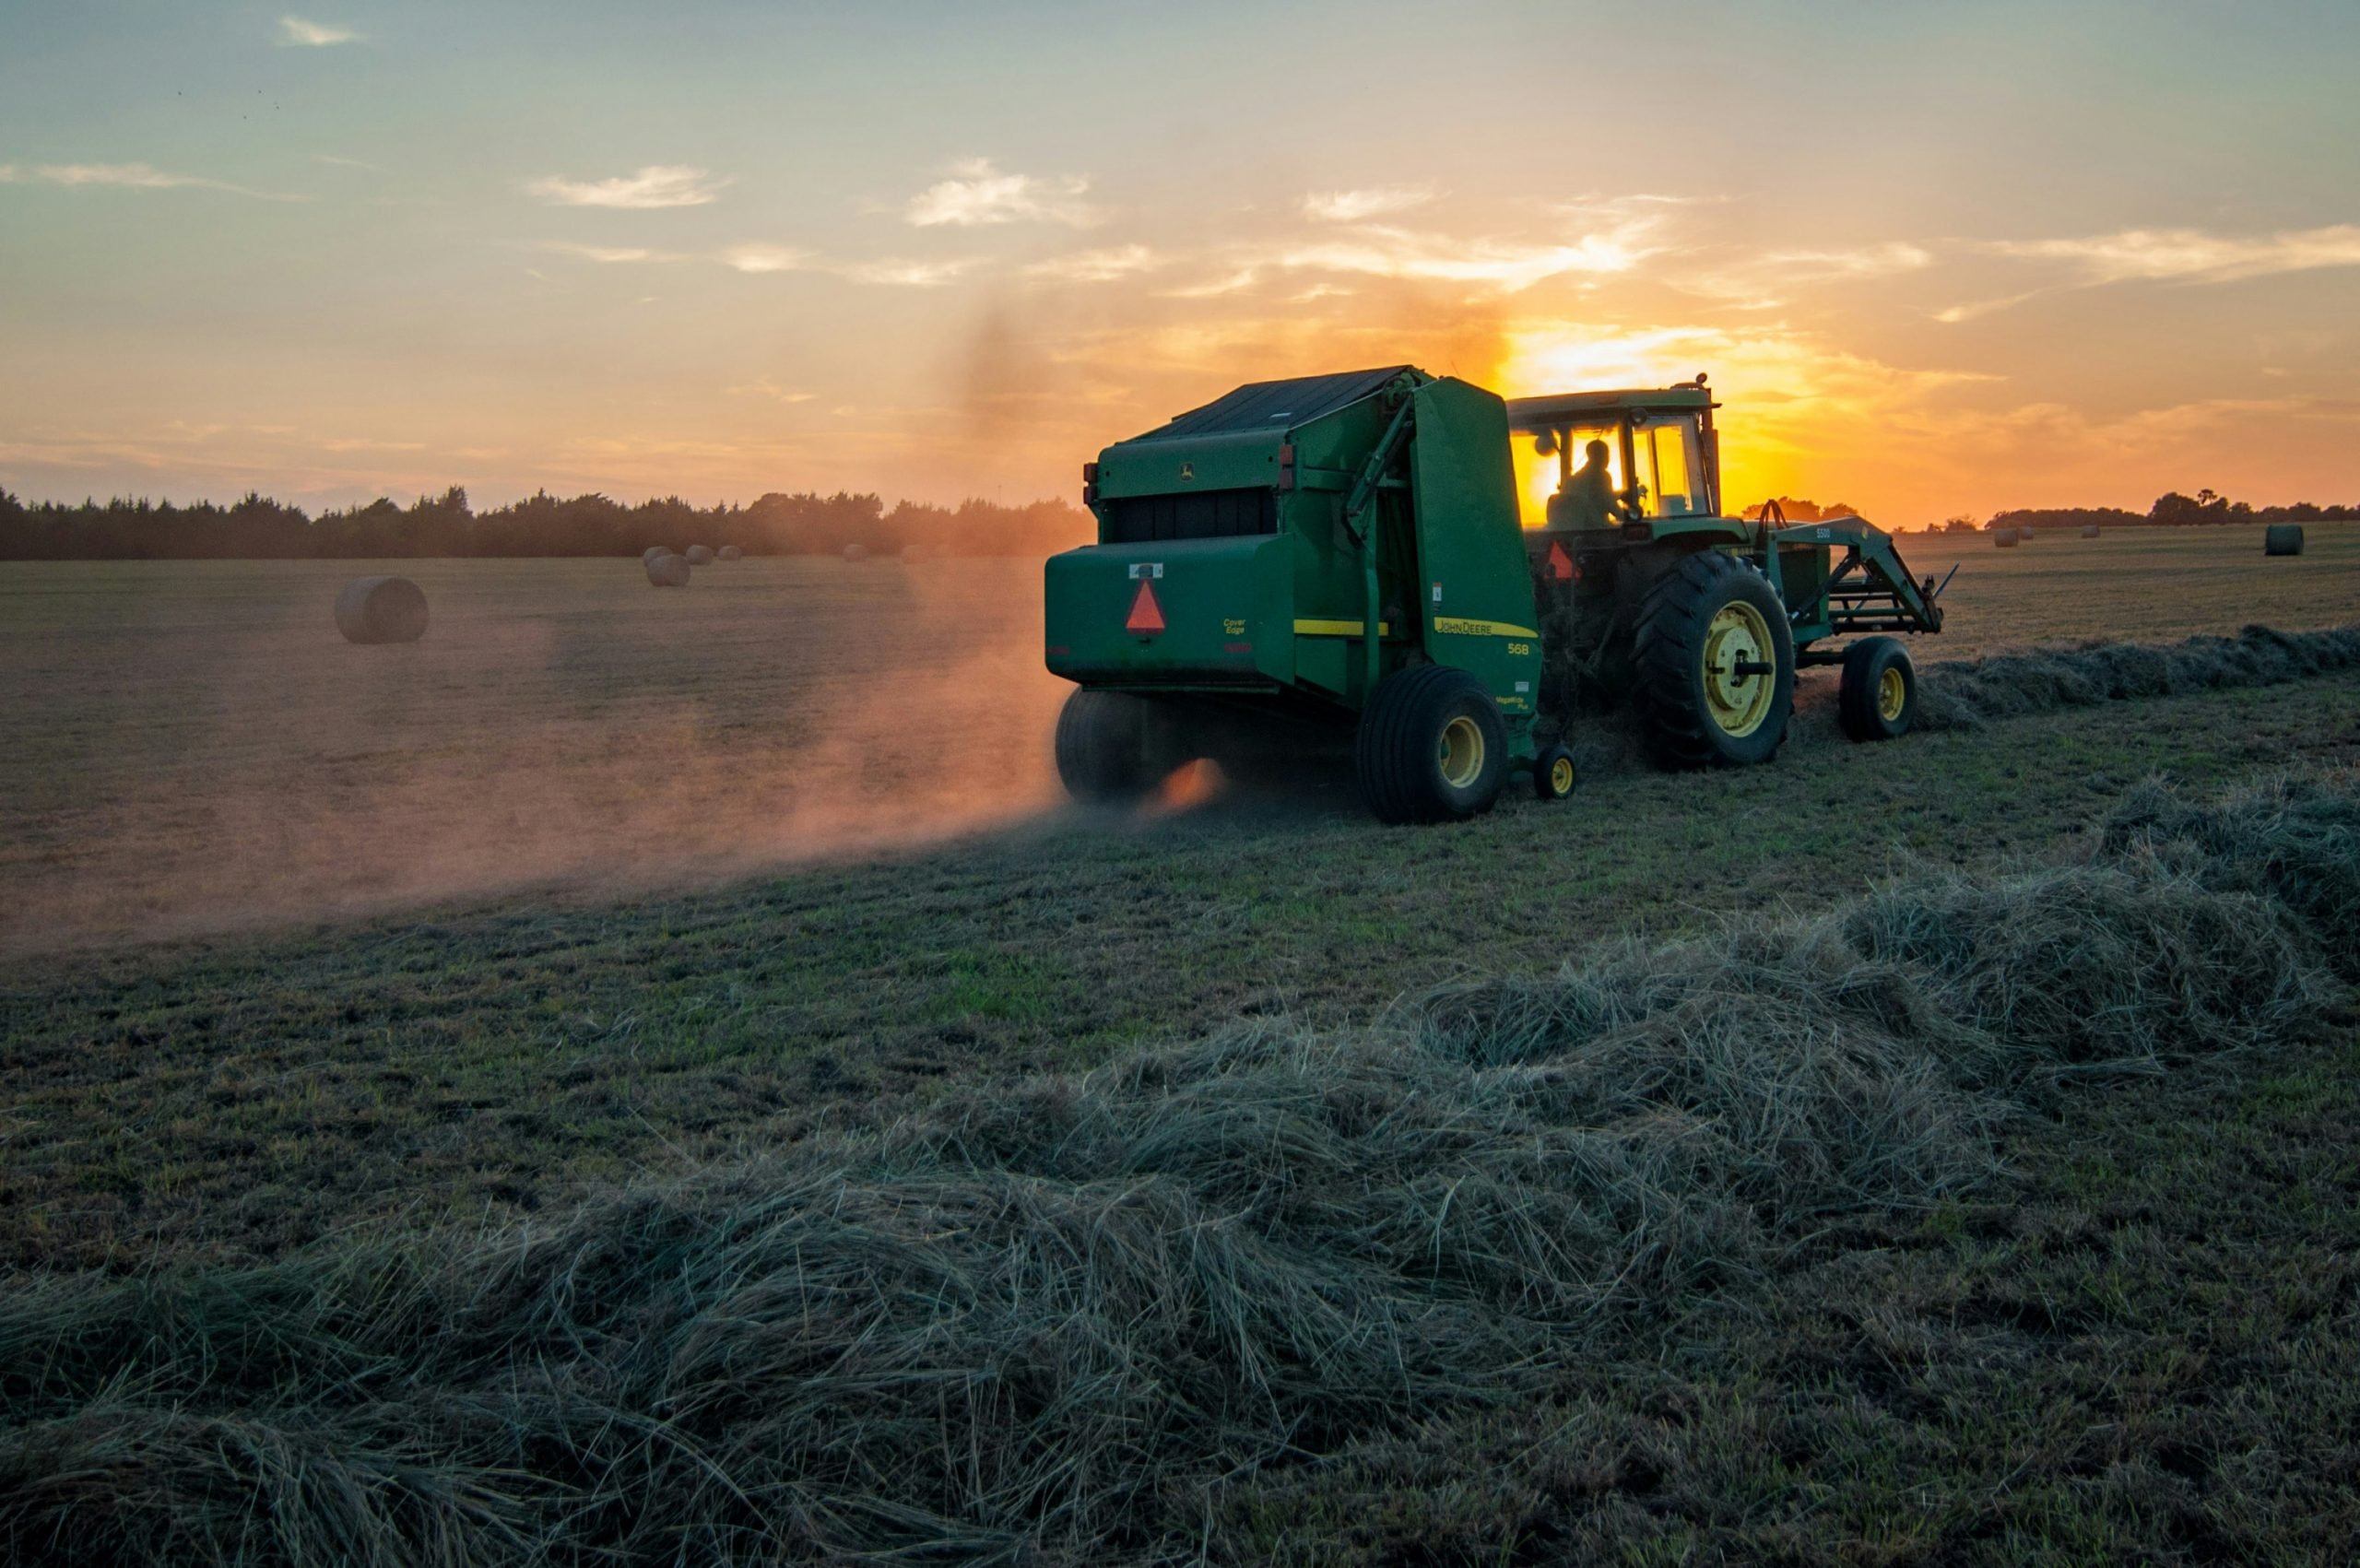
(2141,1345)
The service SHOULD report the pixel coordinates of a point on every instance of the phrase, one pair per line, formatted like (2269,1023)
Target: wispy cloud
(978,193)
(131,177)
(891,271)
(903,273)
(656,185)
(1506,265)
(764,386)
(294,32)
(1097,266)
(1892,258)
(2190,254)
(767,258)
(332,159)
(1359,207)
(610,254)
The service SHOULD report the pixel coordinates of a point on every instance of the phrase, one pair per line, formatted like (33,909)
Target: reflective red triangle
(1146,614)
(1561,565)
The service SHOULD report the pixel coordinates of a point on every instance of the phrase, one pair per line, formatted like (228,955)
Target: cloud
(903,273)
(610,254)
(1358,206)
(2190,254)
(767,258)
(1097,266)
(656,185)
(132,177)
(330,158)
(295,32)
(764,386)
(1506,265)
(978,193)
(759,258)
(1894,256)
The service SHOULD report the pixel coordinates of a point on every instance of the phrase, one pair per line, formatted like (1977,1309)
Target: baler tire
(1552,773)
(1877,700)
(1412,725)
(1677,616)
(1102,747)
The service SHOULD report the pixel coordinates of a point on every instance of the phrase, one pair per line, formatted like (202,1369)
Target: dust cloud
(195,750)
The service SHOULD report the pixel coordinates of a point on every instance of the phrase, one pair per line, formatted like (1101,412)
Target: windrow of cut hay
(1967,694)
(1036,1322)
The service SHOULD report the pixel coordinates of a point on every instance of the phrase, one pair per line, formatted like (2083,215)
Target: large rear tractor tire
(1104,744)
(1879,698)
(1713,663)
(1432,747)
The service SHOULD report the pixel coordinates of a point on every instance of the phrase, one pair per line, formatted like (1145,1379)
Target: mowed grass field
(600,885)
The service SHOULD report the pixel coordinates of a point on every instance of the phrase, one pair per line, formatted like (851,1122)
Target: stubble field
(598,886)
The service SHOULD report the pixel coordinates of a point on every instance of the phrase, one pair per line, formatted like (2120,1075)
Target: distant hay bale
(669,572)
(2089,530)
(652,552)
(381,609)
(699,555)
(2004,538)
(728,553)
(913,553)
(856,553)
(2282,539)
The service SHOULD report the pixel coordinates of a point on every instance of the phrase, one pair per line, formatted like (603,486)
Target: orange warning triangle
(1561,565)
(1146,614)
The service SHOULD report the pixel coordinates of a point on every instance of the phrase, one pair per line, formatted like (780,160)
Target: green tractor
(1410,560)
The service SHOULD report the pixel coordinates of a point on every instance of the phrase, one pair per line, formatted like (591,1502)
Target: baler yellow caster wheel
(1552,773)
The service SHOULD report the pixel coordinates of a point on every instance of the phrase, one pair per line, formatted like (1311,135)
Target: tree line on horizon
(256,527)
(2172,509)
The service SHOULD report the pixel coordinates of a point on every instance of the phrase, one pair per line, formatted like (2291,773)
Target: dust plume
(202,753)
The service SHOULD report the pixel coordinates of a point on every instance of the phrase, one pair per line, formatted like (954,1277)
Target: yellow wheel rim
(1461,752)
(1737,691)
(1561,776)
(1892,693)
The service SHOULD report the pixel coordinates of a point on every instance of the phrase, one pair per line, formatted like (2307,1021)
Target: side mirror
(1545,443)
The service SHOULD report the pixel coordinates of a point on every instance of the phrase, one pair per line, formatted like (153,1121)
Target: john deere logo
(1188,470)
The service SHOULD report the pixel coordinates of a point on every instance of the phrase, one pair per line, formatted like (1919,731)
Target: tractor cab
(1594,460)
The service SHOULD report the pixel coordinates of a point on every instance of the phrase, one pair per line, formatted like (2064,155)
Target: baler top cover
(1275,407)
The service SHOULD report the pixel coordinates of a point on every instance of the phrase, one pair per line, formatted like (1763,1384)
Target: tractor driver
(1587,498)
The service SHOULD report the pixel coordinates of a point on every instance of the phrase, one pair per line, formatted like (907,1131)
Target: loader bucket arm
(1869,589)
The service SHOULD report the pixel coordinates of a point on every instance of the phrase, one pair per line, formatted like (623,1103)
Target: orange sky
(1936,259)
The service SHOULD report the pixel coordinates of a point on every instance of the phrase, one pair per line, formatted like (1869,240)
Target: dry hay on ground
(1965,695)
(381,609)
(1039,1319)
(669,572)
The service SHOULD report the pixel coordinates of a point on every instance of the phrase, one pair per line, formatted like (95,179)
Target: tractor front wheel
(1715,665)
(1432,747)
(1103,745)
(1879,698)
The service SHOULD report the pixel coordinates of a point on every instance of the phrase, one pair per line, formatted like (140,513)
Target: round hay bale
(856,553)
(699,555)
(2282,539)
(913,553)
(2089,530)
(2004,538)
(668,571)
(652,552)
(729,552)
(381,609)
